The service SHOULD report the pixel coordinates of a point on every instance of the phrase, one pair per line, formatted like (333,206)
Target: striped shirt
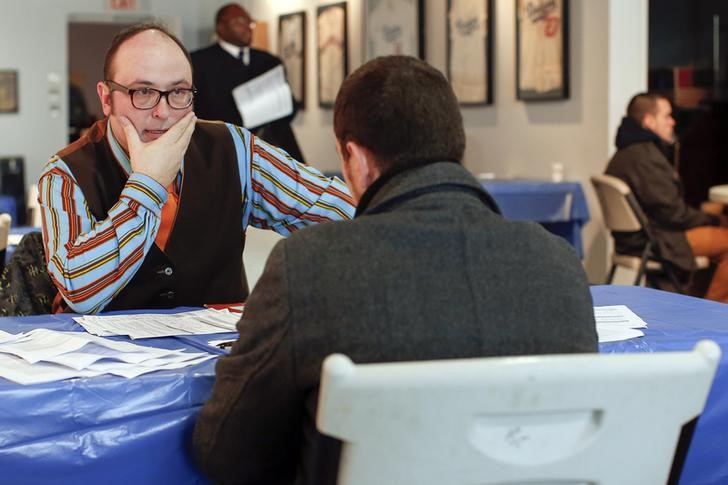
(92,260)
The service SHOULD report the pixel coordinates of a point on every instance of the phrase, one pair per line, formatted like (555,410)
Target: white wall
(608,63)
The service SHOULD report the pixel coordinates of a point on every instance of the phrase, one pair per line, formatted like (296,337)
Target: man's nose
(161,110)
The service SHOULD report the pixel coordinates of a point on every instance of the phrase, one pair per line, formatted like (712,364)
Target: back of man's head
(403,111)
(643,104)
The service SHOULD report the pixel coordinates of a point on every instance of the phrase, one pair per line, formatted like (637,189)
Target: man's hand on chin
(160,159)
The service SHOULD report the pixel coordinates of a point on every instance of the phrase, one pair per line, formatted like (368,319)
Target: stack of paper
(617,322)
(149,325)
(43,355)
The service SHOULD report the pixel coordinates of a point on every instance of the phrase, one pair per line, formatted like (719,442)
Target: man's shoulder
(206,54)
(628,159)
(266,57)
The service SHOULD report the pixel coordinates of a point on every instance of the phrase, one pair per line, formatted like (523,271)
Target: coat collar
(400,185)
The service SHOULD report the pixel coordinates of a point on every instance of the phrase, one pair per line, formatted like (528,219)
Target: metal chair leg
(610,277)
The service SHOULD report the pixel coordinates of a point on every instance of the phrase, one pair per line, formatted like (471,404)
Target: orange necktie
(169,213)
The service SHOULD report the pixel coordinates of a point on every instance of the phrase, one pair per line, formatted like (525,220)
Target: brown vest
(202,262)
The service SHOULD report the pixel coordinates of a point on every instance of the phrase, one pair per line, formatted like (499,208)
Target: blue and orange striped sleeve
(90,261)
(282,194)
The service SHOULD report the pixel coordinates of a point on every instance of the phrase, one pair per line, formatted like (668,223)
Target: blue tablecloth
(678,322)
(106,429)
(559,207)
(112,430)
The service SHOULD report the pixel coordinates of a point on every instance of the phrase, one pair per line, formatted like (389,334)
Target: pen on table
(224,345)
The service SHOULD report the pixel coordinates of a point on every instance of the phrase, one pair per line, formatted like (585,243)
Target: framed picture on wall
(470,50)
(292,51)
(8,91)
(332,49)
(542,49)
(393,27)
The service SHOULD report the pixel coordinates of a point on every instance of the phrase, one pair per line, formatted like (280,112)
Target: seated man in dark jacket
(642,160)
(427,270)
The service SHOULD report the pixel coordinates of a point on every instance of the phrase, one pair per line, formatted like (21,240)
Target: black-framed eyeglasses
(148,98)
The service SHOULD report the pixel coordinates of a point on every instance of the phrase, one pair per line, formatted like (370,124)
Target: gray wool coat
(427,270)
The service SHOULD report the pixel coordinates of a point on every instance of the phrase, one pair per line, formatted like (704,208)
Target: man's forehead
(148,47)
(234,12)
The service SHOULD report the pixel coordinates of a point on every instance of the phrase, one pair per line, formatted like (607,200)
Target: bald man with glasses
(149,208)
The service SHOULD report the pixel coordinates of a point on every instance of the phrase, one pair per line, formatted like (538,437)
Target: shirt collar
(231,49)
(121,156)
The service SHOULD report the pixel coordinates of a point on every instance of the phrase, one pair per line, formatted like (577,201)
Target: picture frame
(332,48)
(9,91)
(542,50)
(394,28)
(292,51)
(470,50)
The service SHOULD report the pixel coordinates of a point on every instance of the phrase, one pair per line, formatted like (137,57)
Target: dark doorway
(688,61)
(87,44)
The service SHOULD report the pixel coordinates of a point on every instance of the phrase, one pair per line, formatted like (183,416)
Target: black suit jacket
(427,270)
(216,73)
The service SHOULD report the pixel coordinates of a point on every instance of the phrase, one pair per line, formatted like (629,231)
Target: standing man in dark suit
(428,269)
(219,68)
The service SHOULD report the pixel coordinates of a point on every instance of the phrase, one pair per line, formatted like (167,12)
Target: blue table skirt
(105,429)
(559,207)
(677,322)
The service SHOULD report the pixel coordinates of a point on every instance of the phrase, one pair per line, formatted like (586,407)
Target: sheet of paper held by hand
(264,99)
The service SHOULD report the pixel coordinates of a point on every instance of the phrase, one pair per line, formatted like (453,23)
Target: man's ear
(358,167)
(648,122)
(104,96)
(365,164)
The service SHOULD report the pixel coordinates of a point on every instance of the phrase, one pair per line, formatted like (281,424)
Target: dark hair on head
(223,10)
(642,104)
(402,110)
(130,32)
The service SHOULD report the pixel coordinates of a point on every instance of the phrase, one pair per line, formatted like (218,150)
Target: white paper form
(617,322)
(43,355)
(264,98)
(15,369)
(129,372)
(151,325)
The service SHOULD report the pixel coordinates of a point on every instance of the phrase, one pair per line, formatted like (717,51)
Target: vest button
(168,271)
(169,295)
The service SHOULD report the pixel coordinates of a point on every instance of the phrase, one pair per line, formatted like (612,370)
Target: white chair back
(34,217)
(556,419)
(613,195)
(5,222)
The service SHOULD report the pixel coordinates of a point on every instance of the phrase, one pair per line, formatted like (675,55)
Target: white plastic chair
(556,419)
(5,222)
(34,216)
(622,213)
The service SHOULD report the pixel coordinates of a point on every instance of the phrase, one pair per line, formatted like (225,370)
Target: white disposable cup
(557,172)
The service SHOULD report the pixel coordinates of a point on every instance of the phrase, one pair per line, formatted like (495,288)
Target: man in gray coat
(644,142)
(428,269)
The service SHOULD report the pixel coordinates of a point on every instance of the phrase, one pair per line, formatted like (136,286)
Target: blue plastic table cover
(559,207)
(677,322)
(106,429)
(111,430)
